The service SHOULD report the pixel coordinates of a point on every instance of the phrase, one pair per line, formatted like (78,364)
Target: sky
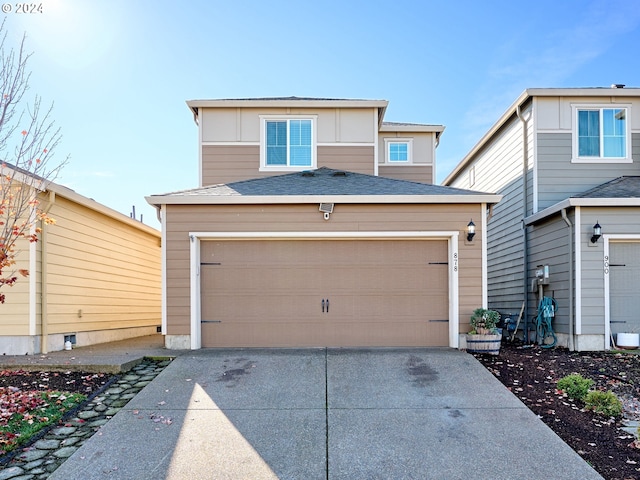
(118,72)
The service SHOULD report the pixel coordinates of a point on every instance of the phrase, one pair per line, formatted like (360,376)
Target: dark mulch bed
(74,382)
(531,373)
(19,390)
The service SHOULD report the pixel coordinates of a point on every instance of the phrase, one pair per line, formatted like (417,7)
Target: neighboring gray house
(579,151)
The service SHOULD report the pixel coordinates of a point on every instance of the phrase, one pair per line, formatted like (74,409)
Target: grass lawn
(25,413)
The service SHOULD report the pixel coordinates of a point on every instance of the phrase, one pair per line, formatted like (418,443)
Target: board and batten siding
(333,125)
(559,178)
(423,146)
(182,219)
(497,168)
(224,164)
(102,273)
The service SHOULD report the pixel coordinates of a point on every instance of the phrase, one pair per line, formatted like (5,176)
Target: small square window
(398,151)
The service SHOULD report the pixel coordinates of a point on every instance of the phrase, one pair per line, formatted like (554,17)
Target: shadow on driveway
(325,413)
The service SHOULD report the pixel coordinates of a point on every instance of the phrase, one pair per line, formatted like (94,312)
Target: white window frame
(576,158)
(263,143)
(387,146)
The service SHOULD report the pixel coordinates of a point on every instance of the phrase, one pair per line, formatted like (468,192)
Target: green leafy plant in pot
(483,321)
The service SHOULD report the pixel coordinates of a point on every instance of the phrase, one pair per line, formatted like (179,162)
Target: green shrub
(575,385)
(605,403)
(484,321)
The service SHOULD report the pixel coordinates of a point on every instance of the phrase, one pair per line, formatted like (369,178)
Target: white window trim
(263,143)
(574,129)
(387,145)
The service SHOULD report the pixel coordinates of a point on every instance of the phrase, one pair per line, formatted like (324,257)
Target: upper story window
(288,143)
(398,150)
(602,134)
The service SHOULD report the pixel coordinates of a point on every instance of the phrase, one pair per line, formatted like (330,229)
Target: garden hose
(546,311)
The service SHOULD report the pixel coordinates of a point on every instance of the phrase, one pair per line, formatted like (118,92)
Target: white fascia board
(349,235)
(511,111)
(194,105)
(584,92)
(98,207)
(412,128)
(301,199)
(581,202)
(520,101)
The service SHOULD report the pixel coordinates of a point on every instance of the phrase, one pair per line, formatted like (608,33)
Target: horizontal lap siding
(107,269)
(559,179)
(351,159)
(498,169)
(222,164)
(549,245)
(226,164)
(14,313)
(180,220)
(413,173)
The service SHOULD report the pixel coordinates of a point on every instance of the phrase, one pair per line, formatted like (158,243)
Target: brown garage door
(277,293)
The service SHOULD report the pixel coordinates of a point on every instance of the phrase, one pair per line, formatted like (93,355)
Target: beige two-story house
(317,223)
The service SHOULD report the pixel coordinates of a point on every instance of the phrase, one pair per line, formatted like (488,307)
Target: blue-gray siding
(559,179)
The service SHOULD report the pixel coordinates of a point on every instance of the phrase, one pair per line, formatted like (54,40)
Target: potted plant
(484,336)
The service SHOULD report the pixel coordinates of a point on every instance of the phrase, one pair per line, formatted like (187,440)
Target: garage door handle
(327,305)
(323,305)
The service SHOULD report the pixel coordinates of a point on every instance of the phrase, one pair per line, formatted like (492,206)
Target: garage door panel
(278,334)
(256,308)
(269,293)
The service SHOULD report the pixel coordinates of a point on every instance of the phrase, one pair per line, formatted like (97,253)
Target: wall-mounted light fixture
(326,209)
(597,232)
(471,230)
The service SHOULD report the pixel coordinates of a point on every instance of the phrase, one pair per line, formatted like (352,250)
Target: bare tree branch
(28,139)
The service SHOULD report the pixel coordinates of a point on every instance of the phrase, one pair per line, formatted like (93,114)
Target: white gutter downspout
(571,290)
(525,243)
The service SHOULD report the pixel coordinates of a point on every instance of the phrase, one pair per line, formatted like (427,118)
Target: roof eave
(468,158)
(90,203)
(522,99)
(381,105)
(412,128)
(581,202)
(157,200)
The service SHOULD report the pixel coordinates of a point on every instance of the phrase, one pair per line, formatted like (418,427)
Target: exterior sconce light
(597,233)
(471,230)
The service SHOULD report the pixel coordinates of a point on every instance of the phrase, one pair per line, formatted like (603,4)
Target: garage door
(624,278)
(324,293)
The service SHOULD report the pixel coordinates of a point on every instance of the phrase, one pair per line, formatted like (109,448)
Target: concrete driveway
(325,414)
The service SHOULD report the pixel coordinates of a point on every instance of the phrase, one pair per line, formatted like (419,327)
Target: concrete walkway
(325,414)
(113,357)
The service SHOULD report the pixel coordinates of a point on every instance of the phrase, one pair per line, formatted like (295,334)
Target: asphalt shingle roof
(621,187)
(323,181)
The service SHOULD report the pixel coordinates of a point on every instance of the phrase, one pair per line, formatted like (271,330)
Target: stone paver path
(39,460)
